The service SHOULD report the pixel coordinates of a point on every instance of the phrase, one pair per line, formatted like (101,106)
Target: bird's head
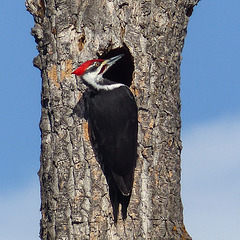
(92,70)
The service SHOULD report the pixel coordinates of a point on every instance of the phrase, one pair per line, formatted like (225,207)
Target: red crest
(82,68)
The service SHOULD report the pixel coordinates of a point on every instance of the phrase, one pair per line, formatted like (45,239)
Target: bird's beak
(109,62)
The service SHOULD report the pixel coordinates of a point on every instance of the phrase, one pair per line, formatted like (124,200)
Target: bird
(113,120)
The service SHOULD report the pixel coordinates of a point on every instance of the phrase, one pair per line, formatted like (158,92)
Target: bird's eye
(97,64)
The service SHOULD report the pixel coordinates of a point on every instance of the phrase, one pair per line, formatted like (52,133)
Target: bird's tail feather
(118,198)
(125,203)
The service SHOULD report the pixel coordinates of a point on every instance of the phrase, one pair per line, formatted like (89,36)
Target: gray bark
(74,192)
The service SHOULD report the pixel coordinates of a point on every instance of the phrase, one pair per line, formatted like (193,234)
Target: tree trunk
(74,192)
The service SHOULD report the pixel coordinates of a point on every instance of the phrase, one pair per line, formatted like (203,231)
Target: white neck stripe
(109,87)
(93,80)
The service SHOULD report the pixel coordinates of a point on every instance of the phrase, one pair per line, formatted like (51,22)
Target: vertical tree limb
(75,202)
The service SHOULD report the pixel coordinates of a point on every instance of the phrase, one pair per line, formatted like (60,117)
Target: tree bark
(74,192)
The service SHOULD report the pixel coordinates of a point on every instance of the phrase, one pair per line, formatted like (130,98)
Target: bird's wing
(113,116)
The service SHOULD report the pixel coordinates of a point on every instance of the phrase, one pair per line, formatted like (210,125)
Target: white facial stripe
(93,79)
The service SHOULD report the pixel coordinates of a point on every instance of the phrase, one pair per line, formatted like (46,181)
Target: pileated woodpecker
(114,124)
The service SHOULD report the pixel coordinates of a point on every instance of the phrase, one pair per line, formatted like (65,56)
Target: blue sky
(210,90)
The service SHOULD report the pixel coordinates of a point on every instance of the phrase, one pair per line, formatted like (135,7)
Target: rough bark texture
(75,200)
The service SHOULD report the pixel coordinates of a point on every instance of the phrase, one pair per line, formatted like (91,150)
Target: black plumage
(113,120)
